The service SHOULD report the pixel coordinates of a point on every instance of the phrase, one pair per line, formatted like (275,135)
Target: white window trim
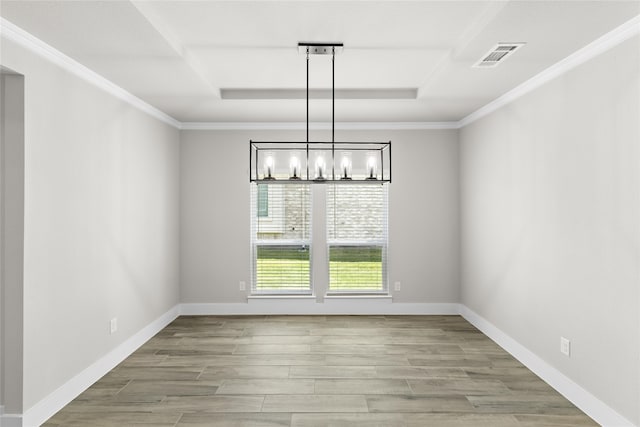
(310,293)
(254,243)
(384,243)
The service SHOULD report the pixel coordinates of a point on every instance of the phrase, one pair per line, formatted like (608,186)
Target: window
(357,238)
(356,230)
(281,238)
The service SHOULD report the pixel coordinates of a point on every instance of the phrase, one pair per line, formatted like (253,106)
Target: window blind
(357,238)
(281,237)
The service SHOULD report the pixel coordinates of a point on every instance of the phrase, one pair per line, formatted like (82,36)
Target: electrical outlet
(243,286)
(565,346)
(396,286)
(113,325)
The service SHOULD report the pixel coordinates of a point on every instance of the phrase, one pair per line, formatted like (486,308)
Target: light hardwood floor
(268,371)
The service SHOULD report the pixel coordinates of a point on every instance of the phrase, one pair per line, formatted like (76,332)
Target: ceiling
(238,61)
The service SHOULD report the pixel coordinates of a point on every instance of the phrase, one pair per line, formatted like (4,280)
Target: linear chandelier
(320,161)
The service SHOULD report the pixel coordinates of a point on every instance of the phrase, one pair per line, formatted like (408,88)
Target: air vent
(497,55)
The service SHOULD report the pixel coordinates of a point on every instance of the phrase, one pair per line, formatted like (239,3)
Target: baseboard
(51,404)
(11,420)
(584,400)
(588,403)
(335,306)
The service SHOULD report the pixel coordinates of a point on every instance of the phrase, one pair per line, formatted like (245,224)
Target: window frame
(274,191)
(382,242)
(276,222)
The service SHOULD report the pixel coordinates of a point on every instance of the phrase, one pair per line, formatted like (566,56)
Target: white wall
(550,206)
(423,212)
(11,242)
(101,221)
(118,213)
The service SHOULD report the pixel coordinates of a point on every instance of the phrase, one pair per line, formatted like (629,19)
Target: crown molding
(595,48)
(37,46)
(590,51)
(318,125)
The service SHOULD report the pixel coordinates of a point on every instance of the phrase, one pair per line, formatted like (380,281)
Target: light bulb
(269,166)
(345,166)
(372,166)
(294,166)
(321,167)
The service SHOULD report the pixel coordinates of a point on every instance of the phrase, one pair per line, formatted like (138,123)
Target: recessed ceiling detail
(238,93)
(497,55)
(218,61)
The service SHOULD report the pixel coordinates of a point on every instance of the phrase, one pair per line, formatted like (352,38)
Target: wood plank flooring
(268,371)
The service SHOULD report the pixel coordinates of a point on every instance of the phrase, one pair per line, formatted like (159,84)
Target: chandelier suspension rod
(333,93)
(307,93)
(333,112)
(307,112)
(372,156)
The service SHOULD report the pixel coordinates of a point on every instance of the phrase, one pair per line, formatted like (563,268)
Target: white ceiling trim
(346,93)
(318,125)
(600,45)
(590,51)
(18,35)
(148,12)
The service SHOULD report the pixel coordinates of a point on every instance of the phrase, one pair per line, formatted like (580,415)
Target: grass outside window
(283,268)
(355,268)
(287,268)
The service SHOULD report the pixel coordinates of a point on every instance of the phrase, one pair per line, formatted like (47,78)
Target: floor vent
(497,55)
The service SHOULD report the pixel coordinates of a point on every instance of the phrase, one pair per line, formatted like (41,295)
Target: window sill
(358,296)
(275,296)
